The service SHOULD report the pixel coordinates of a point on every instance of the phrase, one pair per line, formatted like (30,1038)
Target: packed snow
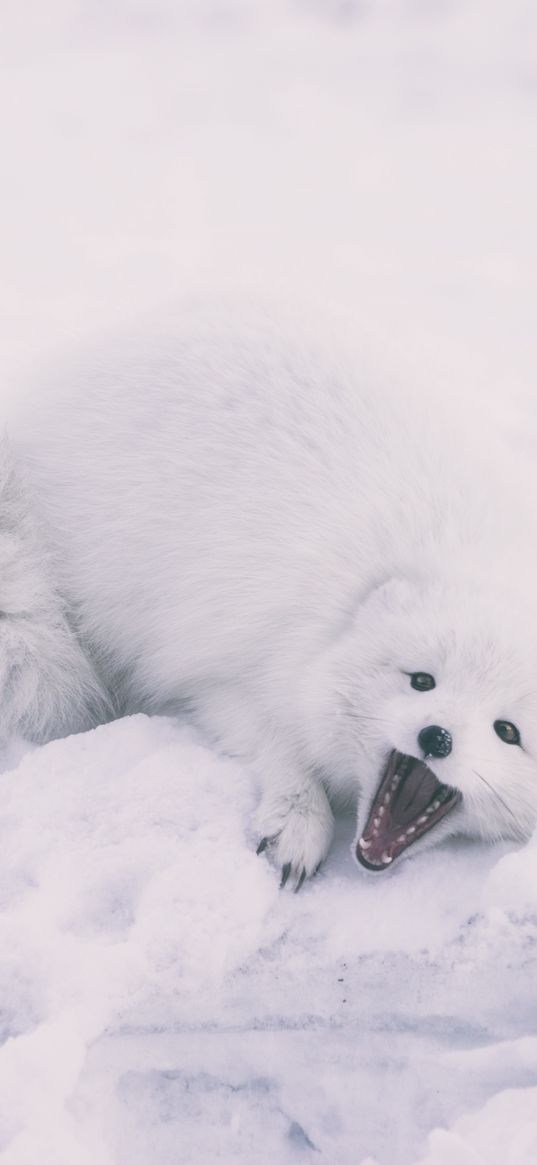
(160,999)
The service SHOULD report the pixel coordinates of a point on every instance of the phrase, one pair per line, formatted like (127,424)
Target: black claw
(262,845)
(285,874)
(301,880)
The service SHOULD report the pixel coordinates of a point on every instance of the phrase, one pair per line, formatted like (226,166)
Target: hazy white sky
(382,154)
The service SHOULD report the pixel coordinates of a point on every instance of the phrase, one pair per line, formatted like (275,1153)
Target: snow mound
(161,999)
(503,1132)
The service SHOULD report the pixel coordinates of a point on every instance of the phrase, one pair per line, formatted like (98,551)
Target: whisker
(498,797)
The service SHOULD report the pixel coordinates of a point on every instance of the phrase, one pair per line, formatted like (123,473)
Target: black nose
(435,741)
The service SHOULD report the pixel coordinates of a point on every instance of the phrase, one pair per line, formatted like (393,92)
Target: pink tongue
(414,794)
(409,802)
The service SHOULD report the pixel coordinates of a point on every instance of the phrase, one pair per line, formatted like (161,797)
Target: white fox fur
(270,534)
(47,683)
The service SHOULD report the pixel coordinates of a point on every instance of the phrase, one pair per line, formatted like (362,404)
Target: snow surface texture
(160,1000)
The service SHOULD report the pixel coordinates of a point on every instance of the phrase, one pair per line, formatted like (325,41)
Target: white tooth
(436,804)
(386,857)
(376,822)
(402,838)
(381,811)
(387,798)
(422,820)
(363,843)
(411,829)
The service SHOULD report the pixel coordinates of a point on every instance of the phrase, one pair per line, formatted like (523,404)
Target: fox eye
(421,681)
(507,732)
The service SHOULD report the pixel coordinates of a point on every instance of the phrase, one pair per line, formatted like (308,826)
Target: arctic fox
(320,566)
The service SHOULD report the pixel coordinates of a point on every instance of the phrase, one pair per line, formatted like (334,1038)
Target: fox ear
(393,594)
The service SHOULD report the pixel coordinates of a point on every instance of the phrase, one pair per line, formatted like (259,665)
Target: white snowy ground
(160,1000)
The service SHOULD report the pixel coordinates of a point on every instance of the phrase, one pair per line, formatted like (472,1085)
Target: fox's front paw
(298,830)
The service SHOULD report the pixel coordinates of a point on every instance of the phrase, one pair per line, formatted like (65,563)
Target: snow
(160,999)
(163,1000)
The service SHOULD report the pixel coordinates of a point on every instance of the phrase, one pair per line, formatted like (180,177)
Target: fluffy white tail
(48,685)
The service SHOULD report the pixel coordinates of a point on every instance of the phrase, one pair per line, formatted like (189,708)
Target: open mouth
(409,802)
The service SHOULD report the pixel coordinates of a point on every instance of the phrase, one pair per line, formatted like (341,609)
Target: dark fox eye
(507,732)
(422,681)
